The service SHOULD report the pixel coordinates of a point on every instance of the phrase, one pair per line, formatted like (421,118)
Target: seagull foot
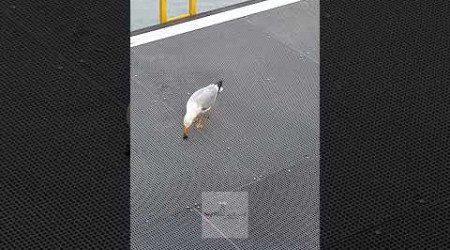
(195,122)
(198,125)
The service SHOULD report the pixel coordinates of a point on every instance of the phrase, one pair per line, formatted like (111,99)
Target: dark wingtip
(219,84)
(185,137)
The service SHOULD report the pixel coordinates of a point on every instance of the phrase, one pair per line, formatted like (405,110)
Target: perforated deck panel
(64,172)
(262,136)
(384,121)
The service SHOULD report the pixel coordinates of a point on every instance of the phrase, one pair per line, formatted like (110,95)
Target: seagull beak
(185,132)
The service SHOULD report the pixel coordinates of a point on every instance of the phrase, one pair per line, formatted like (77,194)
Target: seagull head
(187,122)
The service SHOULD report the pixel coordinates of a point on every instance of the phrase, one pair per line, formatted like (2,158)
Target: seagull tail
(219,84)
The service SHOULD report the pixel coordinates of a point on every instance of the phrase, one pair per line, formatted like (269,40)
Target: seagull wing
(204,97)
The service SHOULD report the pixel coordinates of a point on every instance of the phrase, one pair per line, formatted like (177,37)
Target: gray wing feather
(205,97)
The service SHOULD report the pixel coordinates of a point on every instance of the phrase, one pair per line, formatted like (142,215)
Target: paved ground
(262,137)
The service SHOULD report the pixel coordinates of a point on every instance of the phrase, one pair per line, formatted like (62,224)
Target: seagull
(199,103)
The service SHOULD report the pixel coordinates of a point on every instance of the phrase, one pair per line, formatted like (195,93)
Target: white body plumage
(201,101)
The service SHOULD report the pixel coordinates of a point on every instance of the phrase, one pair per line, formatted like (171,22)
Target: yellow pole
(177,17)
(192,7)
(162,11)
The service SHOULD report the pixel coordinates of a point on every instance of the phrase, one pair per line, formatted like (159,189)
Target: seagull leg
(199,124)
(206,113)
(195,121)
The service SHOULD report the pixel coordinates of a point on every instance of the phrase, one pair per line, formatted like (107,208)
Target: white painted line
(207,21)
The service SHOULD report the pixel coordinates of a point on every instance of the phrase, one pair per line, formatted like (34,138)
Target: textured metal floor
(262,137)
